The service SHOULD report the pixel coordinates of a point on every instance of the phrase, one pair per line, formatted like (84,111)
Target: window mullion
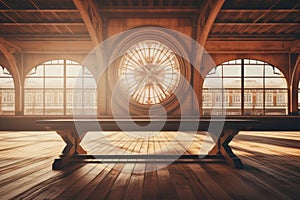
(44,90)
(65,90)
(242,86)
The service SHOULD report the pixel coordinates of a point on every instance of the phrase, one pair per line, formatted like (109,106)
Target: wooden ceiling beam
(203,22)
(34,4)
(257,10)
(55,36)
(43,24)
(252,23)
(91,18)
(267,11)
(148,10)
(235,36)
(39,11)
(205,19)
(248,46)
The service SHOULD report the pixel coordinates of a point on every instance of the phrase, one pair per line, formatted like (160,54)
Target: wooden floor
(272,169)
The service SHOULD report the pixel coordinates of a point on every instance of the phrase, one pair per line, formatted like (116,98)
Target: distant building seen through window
(245,87)
(59,87)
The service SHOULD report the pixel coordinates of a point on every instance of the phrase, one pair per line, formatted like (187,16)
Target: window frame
(248,89)
(7,94)
(61,105)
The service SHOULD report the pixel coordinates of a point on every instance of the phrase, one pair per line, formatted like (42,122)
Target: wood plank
(25,169)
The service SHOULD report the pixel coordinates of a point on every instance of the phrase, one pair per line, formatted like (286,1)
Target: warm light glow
(258,89)
(7,93)
(149,72)
(59,87)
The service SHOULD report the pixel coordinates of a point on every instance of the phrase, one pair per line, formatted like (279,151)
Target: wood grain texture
(271,168)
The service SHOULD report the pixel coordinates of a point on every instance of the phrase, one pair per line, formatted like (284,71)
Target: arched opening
(247,87)
(7,92)
(150,72)
(59,87)
(298,96)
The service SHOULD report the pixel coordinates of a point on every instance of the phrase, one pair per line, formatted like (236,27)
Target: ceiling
(238,19)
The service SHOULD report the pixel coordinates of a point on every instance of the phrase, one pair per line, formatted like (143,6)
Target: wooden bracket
(222,148)
(73,147)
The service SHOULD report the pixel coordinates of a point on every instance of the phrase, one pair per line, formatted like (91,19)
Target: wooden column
(293,89)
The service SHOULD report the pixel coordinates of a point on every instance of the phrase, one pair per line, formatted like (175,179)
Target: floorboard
(272,168)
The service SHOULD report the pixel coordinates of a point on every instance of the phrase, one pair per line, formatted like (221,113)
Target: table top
(146,124)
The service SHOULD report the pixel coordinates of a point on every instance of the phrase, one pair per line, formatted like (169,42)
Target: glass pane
(74,70)
(260,62)
(74,82)
(213,102)
(232,102)
(6,83)
(7,101)
(272,71)
(276,102)
(89,98)
(246,61)
(231,62)
(87,73)
(37,71)
(232,70)
(232,82)
(215,72)
(54,83)
(275,83)
(54,102)
(213,83)
(34,83)
(281,98)
(253,82)
(77,96)
(253,70)
(253,102)
(89,83)
(54,70)
(4,72)
(207,98)
(33,102)
(69,96)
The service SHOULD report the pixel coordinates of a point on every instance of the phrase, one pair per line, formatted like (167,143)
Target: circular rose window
(149,72)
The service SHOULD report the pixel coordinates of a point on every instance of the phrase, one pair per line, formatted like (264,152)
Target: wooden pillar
(293,88)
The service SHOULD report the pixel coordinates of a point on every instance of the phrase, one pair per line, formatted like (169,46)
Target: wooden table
(73,130)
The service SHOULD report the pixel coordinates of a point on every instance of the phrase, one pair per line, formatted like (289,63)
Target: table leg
(222,147)
(73,147)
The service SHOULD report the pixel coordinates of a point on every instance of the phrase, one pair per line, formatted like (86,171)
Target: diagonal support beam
(205,19)
(91,18)
(203,22)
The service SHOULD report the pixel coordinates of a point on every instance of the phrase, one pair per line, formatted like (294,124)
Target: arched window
(247,87)
(59,87)
(7,93)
